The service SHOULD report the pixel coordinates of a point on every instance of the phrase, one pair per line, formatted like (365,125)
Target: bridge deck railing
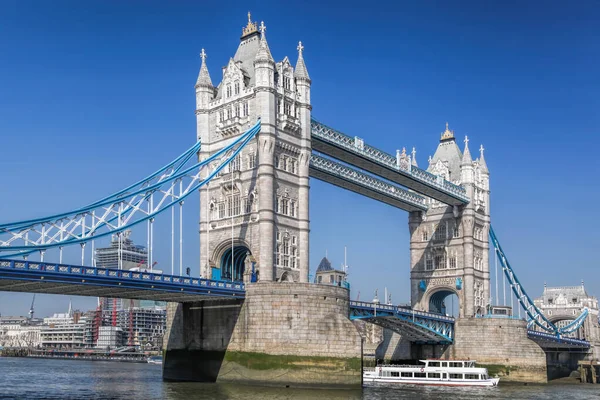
(139,276)
(400,309)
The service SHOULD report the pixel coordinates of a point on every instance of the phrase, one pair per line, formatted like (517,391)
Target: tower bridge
(257,147)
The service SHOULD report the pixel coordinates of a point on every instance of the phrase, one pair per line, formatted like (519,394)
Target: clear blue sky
(94,95)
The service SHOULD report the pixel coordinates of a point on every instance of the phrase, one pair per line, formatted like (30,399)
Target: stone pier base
(501,346)
(286,334)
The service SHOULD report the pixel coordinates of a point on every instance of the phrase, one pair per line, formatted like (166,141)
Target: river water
(26,378)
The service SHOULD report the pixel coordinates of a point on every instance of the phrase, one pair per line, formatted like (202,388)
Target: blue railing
(119,278)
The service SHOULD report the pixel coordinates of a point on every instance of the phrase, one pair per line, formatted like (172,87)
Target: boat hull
(432,382)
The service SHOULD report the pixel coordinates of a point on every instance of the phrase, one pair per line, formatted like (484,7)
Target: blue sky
(94,95)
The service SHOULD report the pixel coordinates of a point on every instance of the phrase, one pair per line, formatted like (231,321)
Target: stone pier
(500,345)
(287,334)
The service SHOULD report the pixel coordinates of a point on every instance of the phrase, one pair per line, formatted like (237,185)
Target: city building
(121,254)
(110,337)
(63,335)
(561,305)
(20,332)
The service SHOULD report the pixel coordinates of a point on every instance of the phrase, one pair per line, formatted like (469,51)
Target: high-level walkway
(355,152)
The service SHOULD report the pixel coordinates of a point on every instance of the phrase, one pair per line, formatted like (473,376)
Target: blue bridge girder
(40,277)
(354,151)
(549,341)
(359,182)
(417,326)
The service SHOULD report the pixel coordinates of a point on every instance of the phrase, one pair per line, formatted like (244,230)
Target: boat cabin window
(434,364)
(444,375)
(469,364)
(456,364)
(444,364)
(433,375)
(395,373)
(406,374)
(420,374)
(456,376)
(471,376)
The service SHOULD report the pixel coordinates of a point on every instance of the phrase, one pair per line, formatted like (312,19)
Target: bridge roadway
(40,277)
(355,152)
(422,327)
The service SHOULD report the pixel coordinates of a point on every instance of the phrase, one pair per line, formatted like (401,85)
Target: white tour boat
(433,372)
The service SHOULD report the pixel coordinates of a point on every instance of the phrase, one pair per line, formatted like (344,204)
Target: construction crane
(31,308)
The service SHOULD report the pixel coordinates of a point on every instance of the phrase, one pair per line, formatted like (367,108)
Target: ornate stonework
(261,198)
(449,245)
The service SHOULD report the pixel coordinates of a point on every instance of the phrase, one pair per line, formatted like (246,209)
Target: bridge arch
(437,300)
(232,268)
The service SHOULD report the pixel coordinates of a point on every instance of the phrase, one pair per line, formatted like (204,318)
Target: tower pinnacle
(466,159)
(301,71)
(203,76)
(264,53)
(250,28)
(414,157)
(482,163)
(447,134)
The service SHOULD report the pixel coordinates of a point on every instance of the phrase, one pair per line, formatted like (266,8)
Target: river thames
(25,378)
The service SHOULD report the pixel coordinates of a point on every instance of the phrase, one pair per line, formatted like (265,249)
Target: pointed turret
(466,165)
(466,158)
(264,53)
(414,157)
(204,77)
(301,72)
(482,163)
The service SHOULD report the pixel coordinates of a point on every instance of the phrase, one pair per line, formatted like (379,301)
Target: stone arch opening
(233,263)
(444,301)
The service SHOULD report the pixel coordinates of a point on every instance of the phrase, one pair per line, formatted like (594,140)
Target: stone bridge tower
(254,214)
(449,245)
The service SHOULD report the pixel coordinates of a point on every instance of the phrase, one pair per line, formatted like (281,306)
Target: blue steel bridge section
(40,277)
(417,326)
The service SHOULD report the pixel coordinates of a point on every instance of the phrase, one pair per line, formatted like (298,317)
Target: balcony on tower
(289,123)
(233,126)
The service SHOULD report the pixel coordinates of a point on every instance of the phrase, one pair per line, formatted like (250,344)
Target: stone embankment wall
(283,334)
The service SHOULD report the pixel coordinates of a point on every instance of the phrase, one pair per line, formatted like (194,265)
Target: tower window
(440,232)
(245,113)
(428,263)
(286,82)
(251,160)
(455,232)
(292,208)
(287,108)
(237,88)
(228,90)
(292,166)
(452,261)
(440,261)
(424,234)
(221,116)
(284,206)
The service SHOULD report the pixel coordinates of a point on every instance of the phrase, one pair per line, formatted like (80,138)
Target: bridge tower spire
(449,244)
(257,208)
